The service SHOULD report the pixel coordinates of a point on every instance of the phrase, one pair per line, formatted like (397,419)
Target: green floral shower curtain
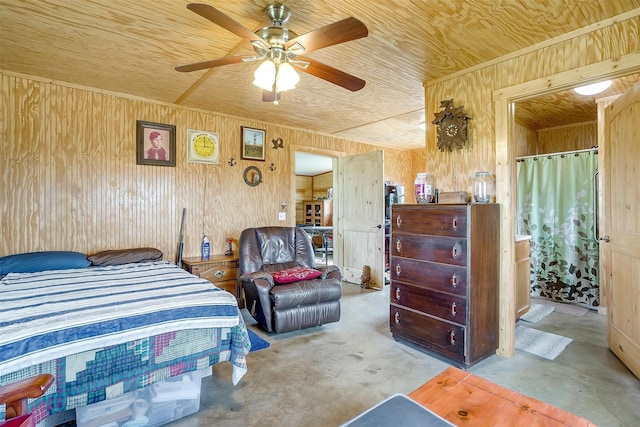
(556,207)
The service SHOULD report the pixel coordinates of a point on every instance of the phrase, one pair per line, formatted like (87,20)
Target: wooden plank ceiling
(133,46)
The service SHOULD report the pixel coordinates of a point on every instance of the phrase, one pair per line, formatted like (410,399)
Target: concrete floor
(327,375)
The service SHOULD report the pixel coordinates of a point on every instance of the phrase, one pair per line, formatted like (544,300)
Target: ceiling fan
(280,48)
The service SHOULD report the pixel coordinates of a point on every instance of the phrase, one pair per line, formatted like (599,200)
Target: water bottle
(206,248)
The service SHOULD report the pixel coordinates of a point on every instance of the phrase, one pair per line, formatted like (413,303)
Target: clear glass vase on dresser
(444,279)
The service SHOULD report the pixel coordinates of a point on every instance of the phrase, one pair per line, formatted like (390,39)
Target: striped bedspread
(53,314)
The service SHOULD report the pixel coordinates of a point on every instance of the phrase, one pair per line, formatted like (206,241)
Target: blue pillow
(40,261)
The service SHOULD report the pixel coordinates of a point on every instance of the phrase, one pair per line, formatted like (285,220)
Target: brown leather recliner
(291,306)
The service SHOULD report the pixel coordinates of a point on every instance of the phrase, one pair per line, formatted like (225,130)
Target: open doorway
(556,143)
(504,100)
(313,192)
(314,202)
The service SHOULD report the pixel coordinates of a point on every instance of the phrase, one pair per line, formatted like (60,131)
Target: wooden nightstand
(221,270)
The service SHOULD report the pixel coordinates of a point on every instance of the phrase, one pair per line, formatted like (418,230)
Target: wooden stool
(15,396)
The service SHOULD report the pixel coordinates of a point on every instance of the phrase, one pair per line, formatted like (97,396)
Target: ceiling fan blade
(332,75)
(339,32)
(219,18)
(213,63)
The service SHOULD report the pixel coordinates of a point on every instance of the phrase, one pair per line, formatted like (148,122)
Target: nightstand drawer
(229,286)
(216,272)
(220,270)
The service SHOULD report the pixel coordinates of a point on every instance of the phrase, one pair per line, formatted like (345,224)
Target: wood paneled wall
(567,138)
(526,140)
(311,188)
(69,178)
(474,89)
(304,191)
(601,45)
(321,184)
(579,136)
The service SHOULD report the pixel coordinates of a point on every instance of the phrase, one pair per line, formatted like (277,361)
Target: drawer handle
(398,246)
(398,294)
(218,274)
(396,318)
(455,251)
(398,270)
(452,337)
(398,221)
(454,280)
(454,223)
(453,309)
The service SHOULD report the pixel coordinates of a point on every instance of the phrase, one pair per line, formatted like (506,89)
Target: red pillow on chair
(294,274)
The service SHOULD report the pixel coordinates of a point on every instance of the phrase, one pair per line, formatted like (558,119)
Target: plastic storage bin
(155,405)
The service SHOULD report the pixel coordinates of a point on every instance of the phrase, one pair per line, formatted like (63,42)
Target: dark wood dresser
(444,279)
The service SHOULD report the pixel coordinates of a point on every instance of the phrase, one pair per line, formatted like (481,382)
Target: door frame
(293,149)
(506,184)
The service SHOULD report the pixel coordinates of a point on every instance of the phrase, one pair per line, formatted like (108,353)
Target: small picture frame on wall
(156,144)
(252,144)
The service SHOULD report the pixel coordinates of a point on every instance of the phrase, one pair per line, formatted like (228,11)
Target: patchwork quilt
(105,331)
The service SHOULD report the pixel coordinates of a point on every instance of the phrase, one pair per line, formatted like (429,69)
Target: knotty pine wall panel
(69,178)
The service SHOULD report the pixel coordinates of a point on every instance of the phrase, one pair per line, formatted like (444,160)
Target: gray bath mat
(540,343)
(536,313)
(573,309)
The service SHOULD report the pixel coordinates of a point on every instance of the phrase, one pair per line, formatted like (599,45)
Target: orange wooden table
(467,400)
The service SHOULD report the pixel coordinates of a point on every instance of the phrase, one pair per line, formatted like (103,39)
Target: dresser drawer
(445,306)
(446,250)
(216,272)
(438,335)
(432,275)
(425,219)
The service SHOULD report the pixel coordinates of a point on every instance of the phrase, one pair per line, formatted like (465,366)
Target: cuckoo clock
(452,126)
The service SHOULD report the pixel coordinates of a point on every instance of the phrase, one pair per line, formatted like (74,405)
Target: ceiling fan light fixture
(594,88)
(265,75)
(287,78)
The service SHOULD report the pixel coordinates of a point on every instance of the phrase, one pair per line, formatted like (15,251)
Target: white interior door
(359,238)
(622,226)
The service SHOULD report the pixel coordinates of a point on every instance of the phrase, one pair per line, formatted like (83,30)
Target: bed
(103,331)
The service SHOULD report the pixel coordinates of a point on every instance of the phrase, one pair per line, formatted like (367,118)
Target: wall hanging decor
(277,143)
(156,144)
(452,126)
(203,147)
(252,144)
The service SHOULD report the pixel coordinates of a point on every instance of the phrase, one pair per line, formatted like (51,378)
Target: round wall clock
(452,126)
(202,147)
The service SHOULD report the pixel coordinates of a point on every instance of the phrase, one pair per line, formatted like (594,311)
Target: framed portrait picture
(203,147)
(156,144)
(252,144)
